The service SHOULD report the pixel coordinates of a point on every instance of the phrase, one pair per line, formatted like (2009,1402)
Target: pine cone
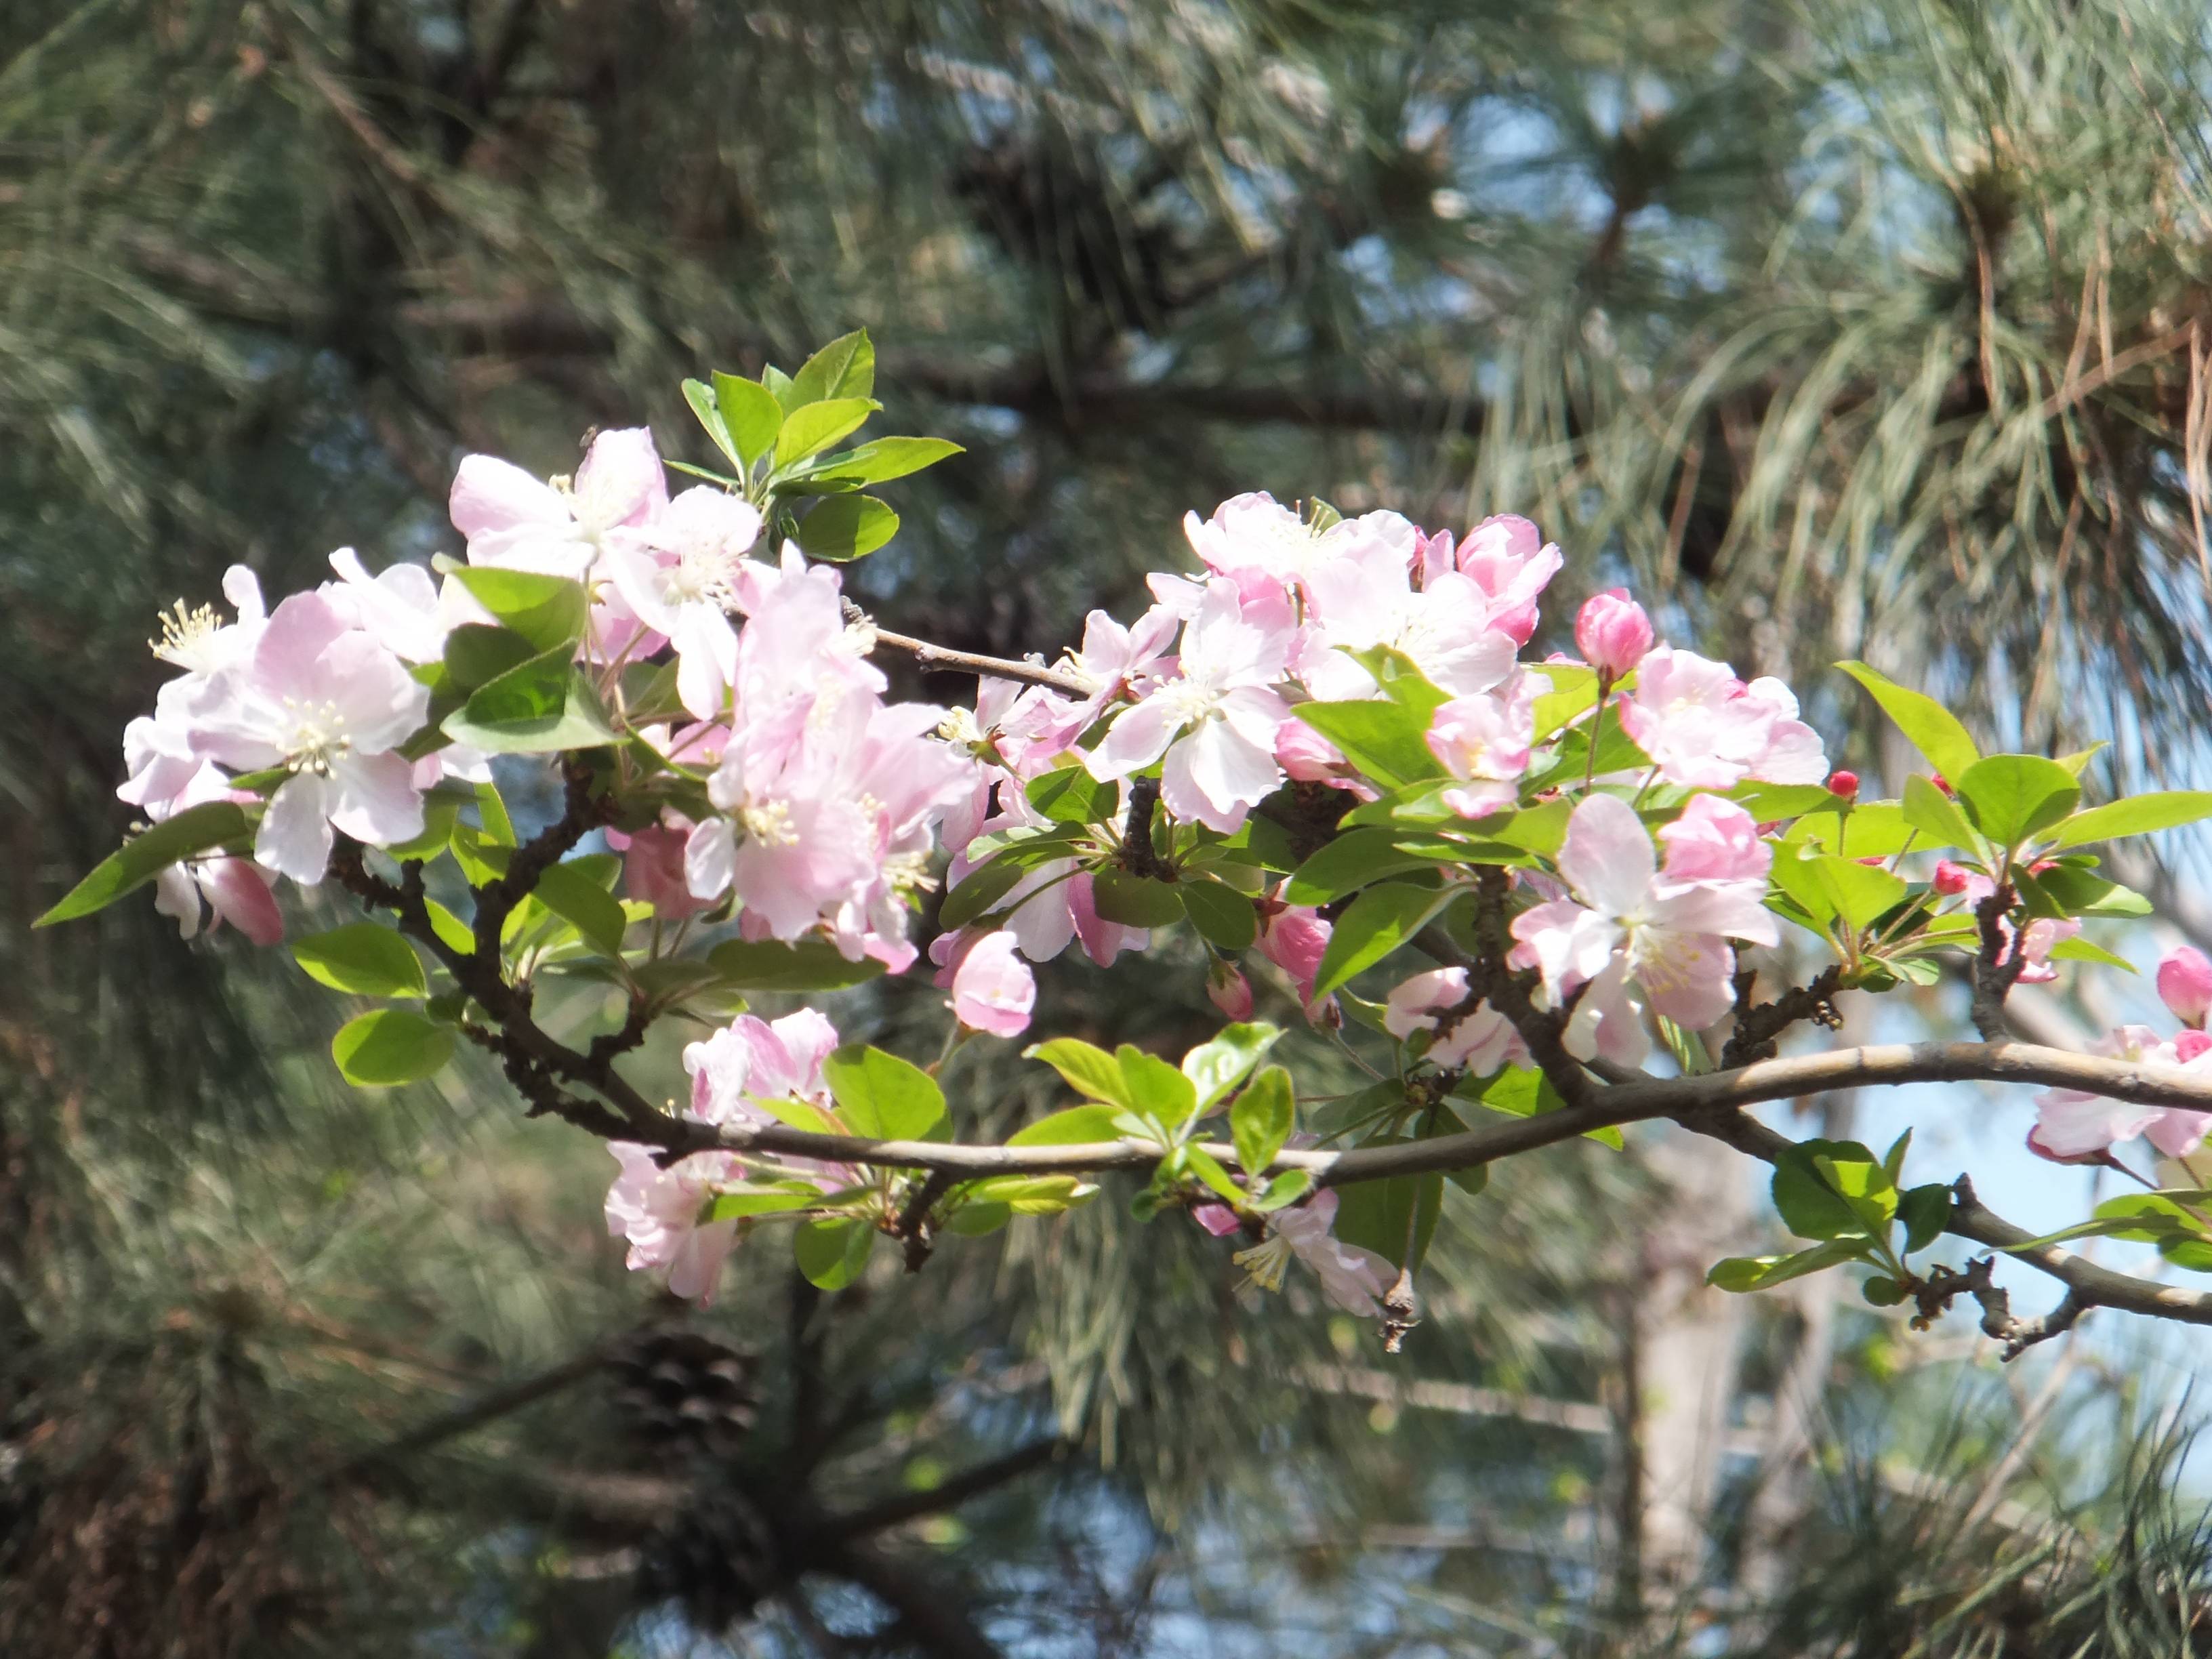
(685,1394)
(718,1559)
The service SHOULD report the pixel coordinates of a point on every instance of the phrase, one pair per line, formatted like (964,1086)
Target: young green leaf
(1937,817)
(706,407)
(1216,1066)
(1386,740)
(1076,1125)
(846,368)
(881,1096)
(195,830)
(842,528)
(1757,1273)
(1154,1088)
(1261,1120)
(1223,916)
(363,959)
(832,1253)
(391,1046)
(878,462)
(549,611)
(2009,797)
(770,965)
(752,415)
(1378,921)
(1136,901)
(813,427)
(1932,728)
(2138,815)
(1087,1070)
(571,894)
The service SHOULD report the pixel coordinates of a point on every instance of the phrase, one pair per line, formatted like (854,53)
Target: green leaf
(832,1253)
(1207,1169)
(1778,803)
(549,611)
(580,724)
(738,1202)
(438,818)
(706,407)
(391,1046)
(977,891)
(1261,1120)
(846,368)
(534,689)
(1154,1088)
(878,462)
(1757,1273)
(752,414)
(1931,728)
(1136,901)
(1078,1126)
(1224,916)
(571,894)
(1215,1067)
(771,965)
(449,927)
(2074,891)
(842,528)
(1860,893)
(1284,1189)
(363,959)
(976,1220)
(491,810)
(1937,816)
(2081,949)
(1814,1182)
(1087,1070)
(1925,1211)
(780,387)
(1616,752)
(881,1096)
(2138,815)
(1034,1194)
(1871,830)
(1352,861)
(476,655)
(1395,1219)
(2009,797)
(1070,794)
(1387,741)
(196,830)
(1378,922)
(813,427)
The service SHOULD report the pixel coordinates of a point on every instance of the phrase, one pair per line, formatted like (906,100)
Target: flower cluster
(2072,1126)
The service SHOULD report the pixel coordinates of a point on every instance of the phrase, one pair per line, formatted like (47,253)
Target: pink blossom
(1955,880)
(2037,941)
(1508,558)
(1216,723)
(558,528)
(1714,839)
(752,1060)
(993,989)
(1363,600)
(403,610)
(1352,1278)
(1484,741)
(1305,755)
(1227,989)
(1217,1218)
(679,576)
(1613,633)
(1628,930)
(2185,985)
(327,703)
(1705,729)
(653,867)
(2070,1124)
(1295,939)
(658,1211)
(1481,1040)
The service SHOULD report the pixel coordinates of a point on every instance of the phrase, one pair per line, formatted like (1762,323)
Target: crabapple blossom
(753,1060)
(1484,740)
(1507,558)
(658,1211)
(1705,729)
(402,609)
(2185,985)
(329,705)
(1613,633)
(1227,989)
(1352,1278)
(678,574)
(557,528)
(1295,938)
(993,989)
(1629,935)
(1481,1040)
(652,868)
(1215,722)
(2072,1124)
(1363,599)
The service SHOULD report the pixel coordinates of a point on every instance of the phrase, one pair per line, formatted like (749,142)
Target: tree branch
(970,662)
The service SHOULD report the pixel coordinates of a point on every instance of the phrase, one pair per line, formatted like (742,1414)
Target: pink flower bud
(1612,632)
(1230,991)
(2185,985)
(1843,783)
(1942,783)
(993,989)
(1951,879)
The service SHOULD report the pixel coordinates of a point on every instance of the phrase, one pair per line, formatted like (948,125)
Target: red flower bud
(1941,782)
(1843,783)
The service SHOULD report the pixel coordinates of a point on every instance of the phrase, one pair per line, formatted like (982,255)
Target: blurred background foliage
(1843,327)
